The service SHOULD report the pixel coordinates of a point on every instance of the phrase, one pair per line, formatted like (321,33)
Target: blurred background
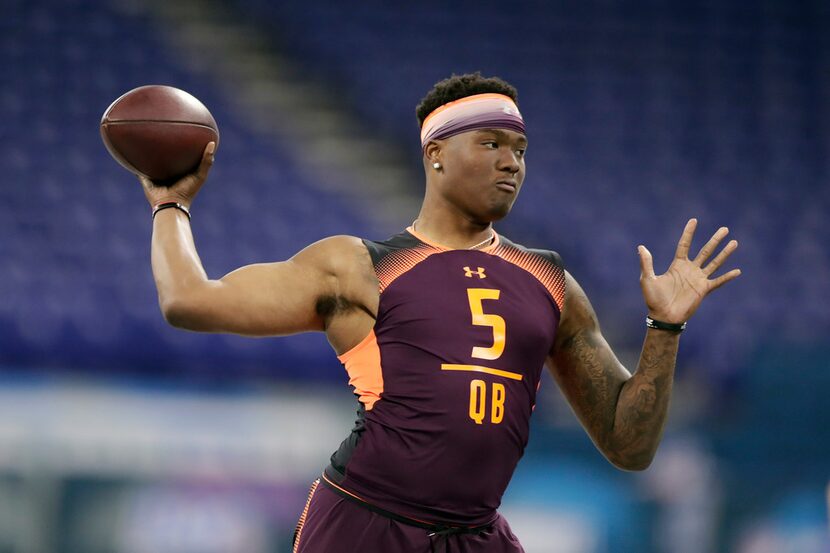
(121,434)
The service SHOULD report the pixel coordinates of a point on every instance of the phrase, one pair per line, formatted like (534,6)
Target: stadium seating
(638,119)
(77,286)
(640,116)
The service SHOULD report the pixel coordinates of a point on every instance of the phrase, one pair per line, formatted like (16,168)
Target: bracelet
(167,205)
(660,325)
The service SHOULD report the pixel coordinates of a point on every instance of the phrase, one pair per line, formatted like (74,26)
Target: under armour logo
(469,272)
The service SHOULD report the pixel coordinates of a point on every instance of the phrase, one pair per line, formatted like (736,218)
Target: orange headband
(481,111)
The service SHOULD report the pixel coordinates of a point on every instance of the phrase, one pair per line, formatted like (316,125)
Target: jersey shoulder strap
(400,241)
(545,265)
(550,256)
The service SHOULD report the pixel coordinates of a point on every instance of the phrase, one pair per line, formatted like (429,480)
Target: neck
(453,230)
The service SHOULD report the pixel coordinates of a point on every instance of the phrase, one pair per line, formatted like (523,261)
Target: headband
(481,111)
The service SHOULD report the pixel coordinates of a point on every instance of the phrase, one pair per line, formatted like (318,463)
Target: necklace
(477,246)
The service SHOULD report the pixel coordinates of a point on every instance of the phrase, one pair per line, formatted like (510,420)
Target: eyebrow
(502,134)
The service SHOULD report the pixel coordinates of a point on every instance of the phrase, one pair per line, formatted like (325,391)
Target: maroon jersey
(447,379)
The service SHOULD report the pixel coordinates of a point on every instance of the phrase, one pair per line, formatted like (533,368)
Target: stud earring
(436,165)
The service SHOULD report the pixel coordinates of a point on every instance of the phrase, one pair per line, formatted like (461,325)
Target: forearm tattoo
(596,391)
(644,400)
(623,414)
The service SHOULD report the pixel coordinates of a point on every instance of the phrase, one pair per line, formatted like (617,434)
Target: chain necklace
(477,246)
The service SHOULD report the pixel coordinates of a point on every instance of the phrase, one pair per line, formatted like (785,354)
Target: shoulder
(550,256)
(545,265)
(344,252)
(578,311)
(578,316)
(344,264)
(401,241)
(331,248)
(335,255)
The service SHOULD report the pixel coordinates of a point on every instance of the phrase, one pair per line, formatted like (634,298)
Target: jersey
(447,378)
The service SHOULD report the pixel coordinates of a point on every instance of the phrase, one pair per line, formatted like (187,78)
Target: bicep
(265,299)
(583,364)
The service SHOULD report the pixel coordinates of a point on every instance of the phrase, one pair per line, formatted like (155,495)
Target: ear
(433,152)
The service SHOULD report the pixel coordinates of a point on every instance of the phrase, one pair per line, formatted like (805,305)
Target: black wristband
(660,325)
(167,205)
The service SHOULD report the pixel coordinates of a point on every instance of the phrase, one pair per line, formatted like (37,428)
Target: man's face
(483,171)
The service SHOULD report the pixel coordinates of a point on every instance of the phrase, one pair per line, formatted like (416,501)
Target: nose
(509,162)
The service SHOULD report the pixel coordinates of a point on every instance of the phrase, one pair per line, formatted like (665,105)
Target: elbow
(637,465)
(631,462)
(178,312)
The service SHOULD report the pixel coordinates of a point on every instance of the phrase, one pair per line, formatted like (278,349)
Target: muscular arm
(266,299)
(623,414)
(330,285)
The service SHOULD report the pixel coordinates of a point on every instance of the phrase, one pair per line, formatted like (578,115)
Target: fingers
(145,182)
(200,173)
(646,262)
(710,246)
(207,161)
(210,149)
(686,240)
(185,189)
(715,264)
(723,279)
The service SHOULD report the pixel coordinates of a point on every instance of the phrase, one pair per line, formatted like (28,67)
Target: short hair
(461,86)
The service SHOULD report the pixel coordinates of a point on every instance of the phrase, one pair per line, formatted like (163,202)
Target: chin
(500,211)
(496,214)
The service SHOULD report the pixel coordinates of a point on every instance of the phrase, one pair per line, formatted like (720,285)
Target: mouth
(507,185)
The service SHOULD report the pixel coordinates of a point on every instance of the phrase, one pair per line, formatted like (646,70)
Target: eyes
(494,145)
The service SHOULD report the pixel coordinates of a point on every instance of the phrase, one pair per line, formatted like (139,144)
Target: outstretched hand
(185,189)
(675,295)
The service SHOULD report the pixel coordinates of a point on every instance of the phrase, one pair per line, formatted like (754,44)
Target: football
(158,131)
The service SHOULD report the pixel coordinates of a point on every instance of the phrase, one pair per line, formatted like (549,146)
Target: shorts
(332,524)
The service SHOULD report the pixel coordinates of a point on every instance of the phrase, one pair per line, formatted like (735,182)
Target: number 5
(480,318)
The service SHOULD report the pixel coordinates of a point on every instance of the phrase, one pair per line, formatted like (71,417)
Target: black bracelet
(660,325)
(168,205)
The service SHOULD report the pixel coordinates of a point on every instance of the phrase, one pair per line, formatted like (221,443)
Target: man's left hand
(674,296)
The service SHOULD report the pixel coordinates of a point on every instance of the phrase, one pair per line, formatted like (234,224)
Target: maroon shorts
(331,523)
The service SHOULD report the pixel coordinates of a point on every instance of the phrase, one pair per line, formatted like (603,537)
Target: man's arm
(265,299)
(624,414)
(300,294)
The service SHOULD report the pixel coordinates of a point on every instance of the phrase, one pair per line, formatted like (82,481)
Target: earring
(436,165)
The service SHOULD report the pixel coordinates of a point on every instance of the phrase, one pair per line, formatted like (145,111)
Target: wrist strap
(167,205)
(660,325)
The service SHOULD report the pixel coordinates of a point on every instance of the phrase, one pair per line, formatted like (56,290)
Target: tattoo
(623,414)
(644,400)
(594,391)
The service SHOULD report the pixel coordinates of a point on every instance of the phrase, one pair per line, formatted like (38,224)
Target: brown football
(158,131)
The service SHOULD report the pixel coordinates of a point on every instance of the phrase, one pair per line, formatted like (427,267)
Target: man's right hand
(186,188)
